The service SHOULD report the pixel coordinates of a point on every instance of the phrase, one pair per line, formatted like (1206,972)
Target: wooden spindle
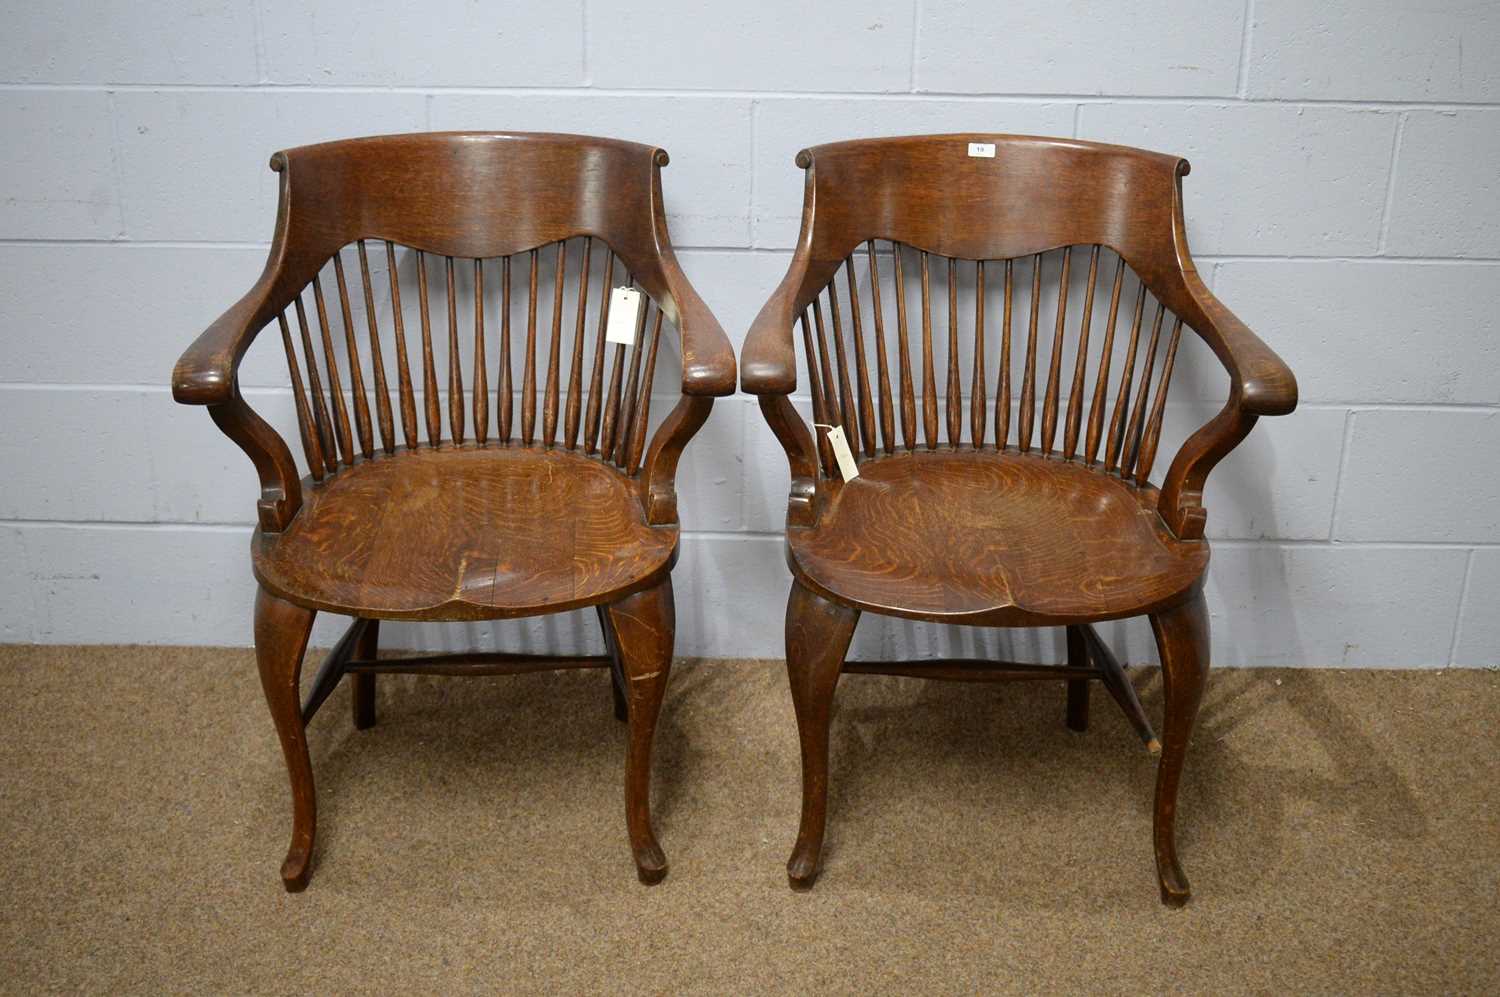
(847,402)
(815,388)
(321,422)
(575,372)
(596,380)
(504,390)
(1054,369)
(1002,380)
(1127,373)
(356,377)
(833,413)
(612,400)
(429,367)
(1080,364)
(643,405)
(554,347)
(626,418)
(903,345)
(862,372)
(978,404)
(929,377)
(1138,411)
(403,364)
(335,388)
(310,445)
(1101,382)
(528,366)
(481,387)
(882,365)
(1028,375)
(455,367)
(1158,408)
(955,390)
(377,362)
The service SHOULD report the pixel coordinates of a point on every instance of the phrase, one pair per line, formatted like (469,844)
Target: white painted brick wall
(1345,200)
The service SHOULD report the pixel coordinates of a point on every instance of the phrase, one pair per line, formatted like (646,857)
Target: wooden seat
(501,532)
(477,429)
(995,539)
(992,323)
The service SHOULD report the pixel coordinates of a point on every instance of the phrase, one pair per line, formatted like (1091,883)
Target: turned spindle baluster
(335,388)
(575,371)
(643,404)
(1002,380)
(1153,428)
(310,445)
(504,390)
(554,348)
(455,367)
(1127,373)
(1054,368)
(356,377)
(429,367)
(1138,412)
(1075,394)
(882,365)
(322,424)
(903,345)
(377,362)
(929,377)
(1028,376)
(528,368)
(1101,383)
(954,386)
(403,364)
(978,406)
(596,379)
(866,409)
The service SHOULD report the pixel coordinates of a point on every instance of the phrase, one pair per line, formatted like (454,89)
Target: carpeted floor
(1341,830)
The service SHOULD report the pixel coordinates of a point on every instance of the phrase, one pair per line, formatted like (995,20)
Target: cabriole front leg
(1182,641)
(281,631)
(817,638)
(643,626)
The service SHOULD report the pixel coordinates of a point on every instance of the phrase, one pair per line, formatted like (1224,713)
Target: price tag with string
(848,469)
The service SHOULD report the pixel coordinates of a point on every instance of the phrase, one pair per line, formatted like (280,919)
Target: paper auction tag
(848,469)
(624,309)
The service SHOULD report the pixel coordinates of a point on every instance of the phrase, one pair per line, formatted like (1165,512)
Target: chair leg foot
(281,631)
(362,684)
(1182,639)
(817,638)
(643,626)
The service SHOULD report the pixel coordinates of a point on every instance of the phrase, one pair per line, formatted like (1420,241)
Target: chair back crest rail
(453,290)
(1034,301)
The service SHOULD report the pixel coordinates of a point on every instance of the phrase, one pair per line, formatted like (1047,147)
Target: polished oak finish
(447,477)
(1025,314)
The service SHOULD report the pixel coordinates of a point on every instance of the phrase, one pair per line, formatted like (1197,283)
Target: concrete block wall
(1345,201)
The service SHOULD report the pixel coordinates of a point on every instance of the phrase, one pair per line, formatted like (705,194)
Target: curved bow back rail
(454,287)
(475,448)
(1033,300)
(996,322)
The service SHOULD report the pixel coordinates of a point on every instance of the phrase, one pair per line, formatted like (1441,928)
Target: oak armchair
(977,512)
(499,514)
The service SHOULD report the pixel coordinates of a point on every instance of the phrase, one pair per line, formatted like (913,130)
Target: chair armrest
(659,471)
(206,371)
(208,374)
(768,363)
(707,354)
(1263,382)
(1260,383)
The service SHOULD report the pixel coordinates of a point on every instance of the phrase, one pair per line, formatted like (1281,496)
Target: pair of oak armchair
(459,488)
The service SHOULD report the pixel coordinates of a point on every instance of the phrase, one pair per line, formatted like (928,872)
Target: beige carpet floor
(1341,830)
